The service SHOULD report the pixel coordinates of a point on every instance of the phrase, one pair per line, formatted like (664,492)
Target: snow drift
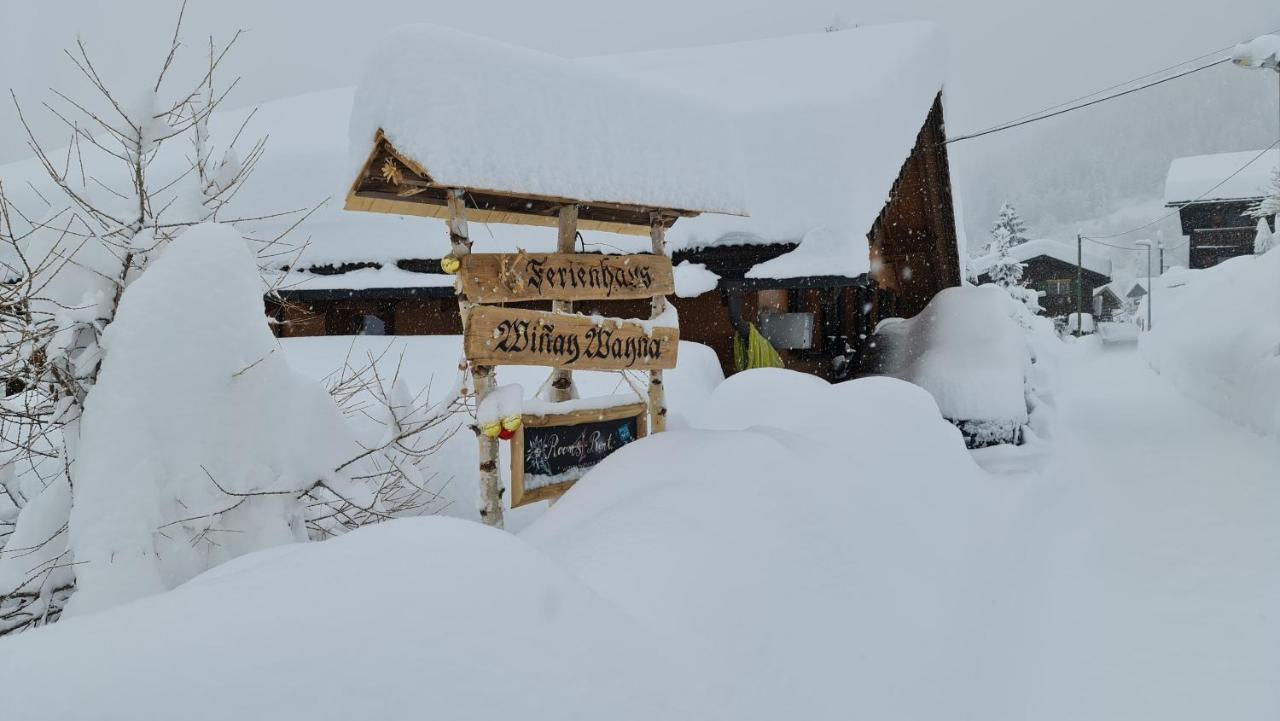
(411,619)
(1216,336)
(832,560)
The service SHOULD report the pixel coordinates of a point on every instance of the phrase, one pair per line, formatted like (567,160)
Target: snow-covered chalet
(847,190)
(1050,270)
(1213,195)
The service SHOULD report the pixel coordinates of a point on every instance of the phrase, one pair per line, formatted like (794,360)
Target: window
(1059,287)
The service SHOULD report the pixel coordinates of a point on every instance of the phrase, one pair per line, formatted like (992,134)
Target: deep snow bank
(431,362)
(832,560)
(1216,336)
(411,619)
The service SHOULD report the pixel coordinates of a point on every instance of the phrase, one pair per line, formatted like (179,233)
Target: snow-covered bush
(1264,239)
(1215,335)
(198,442)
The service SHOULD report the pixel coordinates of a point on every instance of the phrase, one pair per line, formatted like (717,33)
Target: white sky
(1007,57)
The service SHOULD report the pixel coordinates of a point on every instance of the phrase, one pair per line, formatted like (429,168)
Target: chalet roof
(828,120)
(821,160)
(470,112)
(1124,288)
(1192,177)
(1049,248)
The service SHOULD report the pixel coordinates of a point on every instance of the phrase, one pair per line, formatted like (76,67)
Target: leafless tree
(64,269)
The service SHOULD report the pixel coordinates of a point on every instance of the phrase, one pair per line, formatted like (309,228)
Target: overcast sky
(1007,57)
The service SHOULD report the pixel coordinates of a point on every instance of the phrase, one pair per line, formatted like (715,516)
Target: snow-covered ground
(1146,579)
(798,550)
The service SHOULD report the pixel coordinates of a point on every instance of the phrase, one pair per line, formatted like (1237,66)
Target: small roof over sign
(451,109)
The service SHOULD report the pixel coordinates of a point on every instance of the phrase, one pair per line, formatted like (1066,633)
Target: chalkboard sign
(550,453)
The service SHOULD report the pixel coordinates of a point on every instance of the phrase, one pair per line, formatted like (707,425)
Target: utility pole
(1079,285)
(1150,288)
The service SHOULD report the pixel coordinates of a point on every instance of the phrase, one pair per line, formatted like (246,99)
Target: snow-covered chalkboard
(552,452)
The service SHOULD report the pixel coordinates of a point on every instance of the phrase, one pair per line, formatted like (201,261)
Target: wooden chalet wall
(1218,231)
(913,242)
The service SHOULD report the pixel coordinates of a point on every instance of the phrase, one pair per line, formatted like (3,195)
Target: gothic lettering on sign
(498,277)
(508,336)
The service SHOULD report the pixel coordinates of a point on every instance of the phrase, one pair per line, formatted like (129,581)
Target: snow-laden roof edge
(1222,176)
(1046,247)
(481,114)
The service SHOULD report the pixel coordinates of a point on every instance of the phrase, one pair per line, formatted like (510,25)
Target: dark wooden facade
(1055,280)
(913,256)
(1218,230)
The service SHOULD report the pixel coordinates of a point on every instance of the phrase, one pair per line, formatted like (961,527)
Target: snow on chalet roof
(1047,247)
(827,122)
(1194,178)
(480,114)
(819,159)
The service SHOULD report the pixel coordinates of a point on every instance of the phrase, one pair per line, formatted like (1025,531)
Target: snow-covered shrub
(1264,239)
(1216,336)
(198,441)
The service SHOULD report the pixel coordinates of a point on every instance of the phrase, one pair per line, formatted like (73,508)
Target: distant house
(1118,298)
(1213,194)
(1050,269)
(847,185)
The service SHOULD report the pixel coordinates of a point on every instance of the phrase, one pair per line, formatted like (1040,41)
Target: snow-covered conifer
(1264,239)
(1012,224)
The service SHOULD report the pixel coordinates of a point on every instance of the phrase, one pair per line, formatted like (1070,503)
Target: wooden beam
(562,388)
(658,306)
(481,375)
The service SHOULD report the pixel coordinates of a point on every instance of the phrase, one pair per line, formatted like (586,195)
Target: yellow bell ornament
(511,423)
(493,429)
(450,264)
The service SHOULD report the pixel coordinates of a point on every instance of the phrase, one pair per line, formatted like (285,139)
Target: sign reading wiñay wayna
(510,336)
(503,277)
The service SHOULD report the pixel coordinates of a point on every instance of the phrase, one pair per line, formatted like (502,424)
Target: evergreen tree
(1009,221)
(1269,205)
(1006,272)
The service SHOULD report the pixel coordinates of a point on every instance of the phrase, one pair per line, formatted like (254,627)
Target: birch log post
(562,378)
(657,394)
(490,478)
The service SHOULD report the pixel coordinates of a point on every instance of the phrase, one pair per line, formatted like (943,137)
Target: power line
(1112,87)
(1031,117)
(1193,201)
(1103,99)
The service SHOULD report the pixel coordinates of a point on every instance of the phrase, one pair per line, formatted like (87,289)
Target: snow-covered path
(1149,583)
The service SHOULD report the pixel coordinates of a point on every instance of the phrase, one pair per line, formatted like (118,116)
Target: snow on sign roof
(1047,247)
(827,121)
(1194,178)
(479,114)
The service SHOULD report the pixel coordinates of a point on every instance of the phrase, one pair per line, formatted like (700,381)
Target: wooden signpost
(550,453)
(507,277)
(511,336)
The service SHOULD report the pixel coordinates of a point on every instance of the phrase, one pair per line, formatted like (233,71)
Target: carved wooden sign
(550,453)
(510,336)
(504,277)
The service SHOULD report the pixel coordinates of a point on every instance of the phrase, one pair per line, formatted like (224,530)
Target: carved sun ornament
(391,172)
